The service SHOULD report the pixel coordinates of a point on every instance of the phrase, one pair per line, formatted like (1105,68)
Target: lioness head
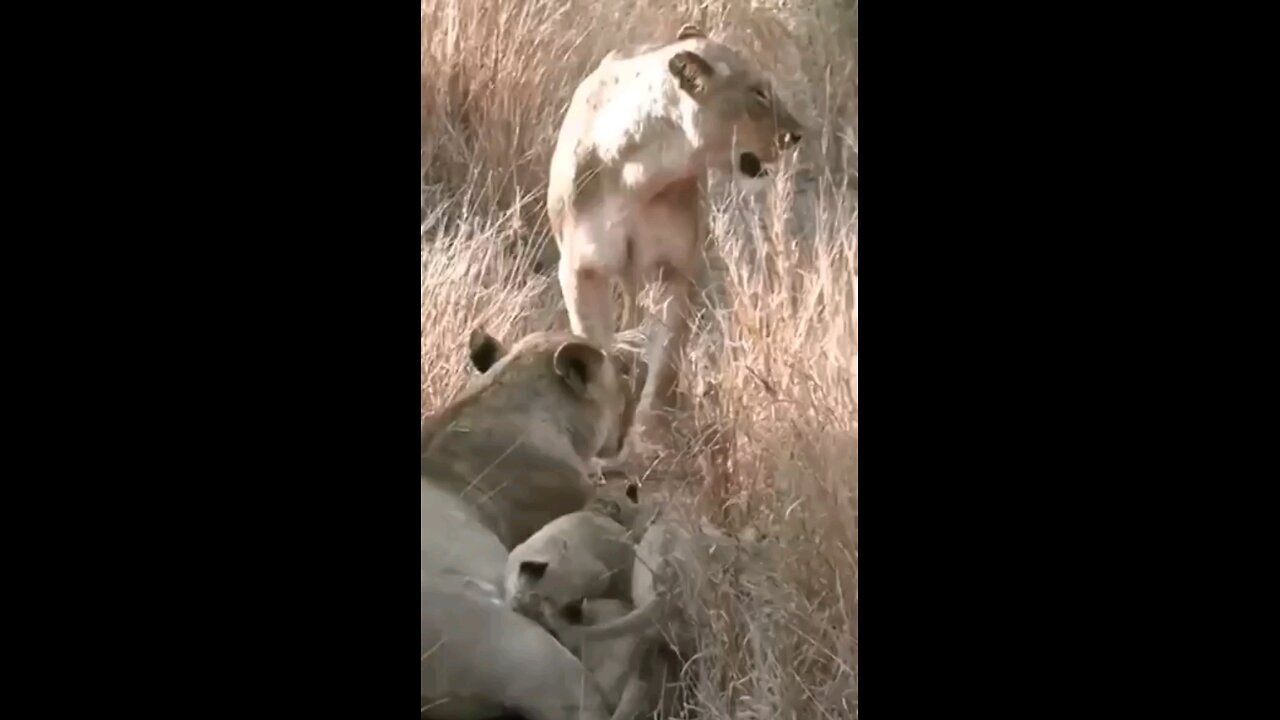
(733,112)
(597,382)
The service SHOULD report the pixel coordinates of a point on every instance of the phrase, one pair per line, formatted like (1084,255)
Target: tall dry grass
(769,423)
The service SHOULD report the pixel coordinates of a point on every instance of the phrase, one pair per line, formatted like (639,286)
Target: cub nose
(788,140)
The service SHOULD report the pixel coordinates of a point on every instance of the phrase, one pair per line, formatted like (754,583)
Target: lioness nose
(787,140)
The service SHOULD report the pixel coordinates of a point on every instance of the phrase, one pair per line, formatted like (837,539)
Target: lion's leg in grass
(638,697)
(589,302)
(664,353)
(666,253)
(630,299)
(594,251)
(480,658)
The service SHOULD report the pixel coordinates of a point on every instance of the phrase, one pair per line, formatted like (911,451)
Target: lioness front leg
(665,351)
(588,300)
(635,700)
(638,696)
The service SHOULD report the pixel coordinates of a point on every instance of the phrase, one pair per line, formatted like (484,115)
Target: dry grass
(770,421)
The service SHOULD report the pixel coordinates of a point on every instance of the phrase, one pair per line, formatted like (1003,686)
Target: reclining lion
(505,458)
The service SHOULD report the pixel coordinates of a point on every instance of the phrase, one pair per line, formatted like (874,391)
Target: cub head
(731,110)
(536,581)
(597,387)
(548,570)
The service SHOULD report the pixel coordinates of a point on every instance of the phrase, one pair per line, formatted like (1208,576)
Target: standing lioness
(627,174)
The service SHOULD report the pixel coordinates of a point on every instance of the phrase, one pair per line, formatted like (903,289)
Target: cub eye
(572,612)
(760,95)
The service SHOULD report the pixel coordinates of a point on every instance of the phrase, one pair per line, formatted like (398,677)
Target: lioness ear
(689,30)
(484,350)
(579,364)
(691,71)
(533,569)
(633,492)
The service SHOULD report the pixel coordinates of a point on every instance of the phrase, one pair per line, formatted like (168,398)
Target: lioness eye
(760,95)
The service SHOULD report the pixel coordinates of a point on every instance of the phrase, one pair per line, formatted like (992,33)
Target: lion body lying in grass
(504,459)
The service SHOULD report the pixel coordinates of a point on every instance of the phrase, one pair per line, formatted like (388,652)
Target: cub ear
(484,350)
(633,492)
(689,30)
(691,70)
(579,364)
(533,570)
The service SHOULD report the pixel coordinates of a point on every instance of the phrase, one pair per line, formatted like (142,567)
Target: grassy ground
(770,407)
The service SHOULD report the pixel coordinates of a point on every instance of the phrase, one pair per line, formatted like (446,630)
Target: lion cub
(673,565)
(586,554)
